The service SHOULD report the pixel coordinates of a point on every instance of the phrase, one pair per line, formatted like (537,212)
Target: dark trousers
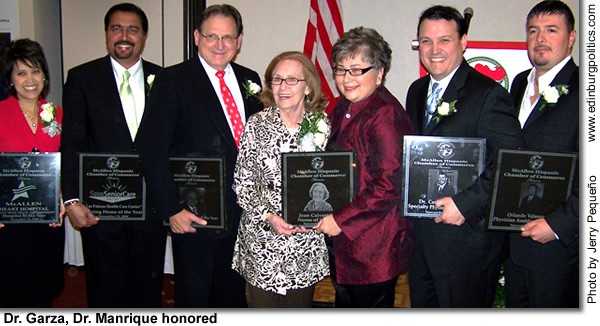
(528,289)
(376,295)
(124,264)
(297,298)
(203,274)
(474,289)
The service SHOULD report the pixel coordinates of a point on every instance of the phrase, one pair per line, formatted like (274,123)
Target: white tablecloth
(74,251)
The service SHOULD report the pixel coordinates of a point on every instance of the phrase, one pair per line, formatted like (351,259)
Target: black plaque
(112,187)
(429,163)
(315,184)
(30,188)
(201,186)
(528,185)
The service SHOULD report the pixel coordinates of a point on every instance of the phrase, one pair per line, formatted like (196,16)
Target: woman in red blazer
(31,255)
(370,241)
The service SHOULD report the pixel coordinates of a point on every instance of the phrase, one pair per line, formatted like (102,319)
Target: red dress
(32,256)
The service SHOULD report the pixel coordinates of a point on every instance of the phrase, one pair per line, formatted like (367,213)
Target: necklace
(31,119)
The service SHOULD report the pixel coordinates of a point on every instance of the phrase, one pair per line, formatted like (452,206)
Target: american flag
(323,29)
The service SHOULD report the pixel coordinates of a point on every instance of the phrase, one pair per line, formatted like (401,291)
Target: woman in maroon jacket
(371,242)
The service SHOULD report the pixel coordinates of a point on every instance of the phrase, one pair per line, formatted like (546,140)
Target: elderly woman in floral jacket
(280,262)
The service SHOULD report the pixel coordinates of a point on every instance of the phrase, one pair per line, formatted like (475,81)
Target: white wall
(273,26)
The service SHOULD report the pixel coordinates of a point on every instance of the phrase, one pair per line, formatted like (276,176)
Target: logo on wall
(491,68)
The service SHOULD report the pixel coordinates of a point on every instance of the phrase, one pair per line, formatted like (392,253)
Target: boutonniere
(150,81)
(314,131)
(48,118)
(551,94)
(444,109)
(251,88)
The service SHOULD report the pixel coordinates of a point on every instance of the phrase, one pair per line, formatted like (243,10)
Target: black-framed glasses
(290,81)
(212,38)
(353,71)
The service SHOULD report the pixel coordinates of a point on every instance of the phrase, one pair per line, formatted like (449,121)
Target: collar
(547,78)
(212,71)
(443,83)
(119,70)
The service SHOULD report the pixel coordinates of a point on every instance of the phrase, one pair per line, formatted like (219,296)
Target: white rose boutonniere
(48,119)
(314,131)
(551,94)
(444,109)
(150,81)
(251,88)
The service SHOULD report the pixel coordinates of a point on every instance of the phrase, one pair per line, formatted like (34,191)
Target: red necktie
(232,110)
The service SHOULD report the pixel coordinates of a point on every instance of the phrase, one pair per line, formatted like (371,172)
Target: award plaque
(437,167)
(201,186)
(528,185)
(30,191)
(112,187)
(315,184)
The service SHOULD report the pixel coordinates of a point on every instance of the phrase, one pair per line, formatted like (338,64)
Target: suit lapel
(208,98)
(451,92)
(105,77)
(563,77)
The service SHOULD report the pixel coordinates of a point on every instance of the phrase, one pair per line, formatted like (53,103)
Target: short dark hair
(126,7)
(30,53)
(366,42)
(553,7)
(446,13)
(221,10)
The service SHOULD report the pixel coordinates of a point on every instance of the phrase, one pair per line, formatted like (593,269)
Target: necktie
(128,104)
(432,101)
(232,111)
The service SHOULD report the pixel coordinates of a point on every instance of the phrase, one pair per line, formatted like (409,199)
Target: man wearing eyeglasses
(198,109)
(454,262)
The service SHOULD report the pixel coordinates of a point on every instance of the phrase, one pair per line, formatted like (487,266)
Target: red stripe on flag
(322,31)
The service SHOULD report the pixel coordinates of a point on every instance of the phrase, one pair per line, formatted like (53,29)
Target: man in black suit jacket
(456,264)
(187,118)
(442,188)
(531,202)
(124,260)
(543,269)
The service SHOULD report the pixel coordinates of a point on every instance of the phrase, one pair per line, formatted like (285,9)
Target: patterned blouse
(266,260)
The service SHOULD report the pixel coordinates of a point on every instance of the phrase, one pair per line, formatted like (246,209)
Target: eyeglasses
(290,81)
(353,71)
(212,38)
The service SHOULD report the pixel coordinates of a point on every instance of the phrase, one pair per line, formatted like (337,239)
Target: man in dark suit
(543,269)
(456,264)
(188,117)
(124,260)
(442,188)
(531,202)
